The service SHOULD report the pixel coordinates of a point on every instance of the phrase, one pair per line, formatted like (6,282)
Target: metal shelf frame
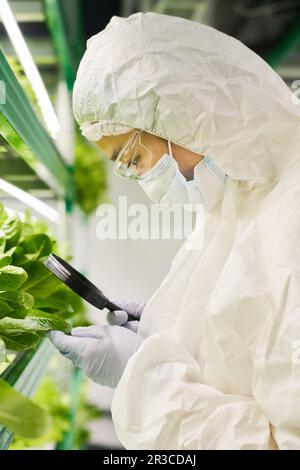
(17,110)
(64,21)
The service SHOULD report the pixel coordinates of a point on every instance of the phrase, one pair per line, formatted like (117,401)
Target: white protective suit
(220,365)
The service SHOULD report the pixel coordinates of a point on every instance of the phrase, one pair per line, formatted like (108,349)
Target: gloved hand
(101,352)
(120,317)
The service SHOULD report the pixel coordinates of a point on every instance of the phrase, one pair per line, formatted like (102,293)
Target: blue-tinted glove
(120,317)
(101,352)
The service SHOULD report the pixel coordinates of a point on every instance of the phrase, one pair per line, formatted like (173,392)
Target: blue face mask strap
(210,163)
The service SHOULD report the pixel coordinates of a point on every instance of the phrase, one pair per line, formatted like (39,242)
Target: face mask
(165,184)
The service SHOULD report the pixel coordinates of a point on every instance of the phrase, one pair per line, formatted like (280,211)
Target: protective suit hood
(193,85)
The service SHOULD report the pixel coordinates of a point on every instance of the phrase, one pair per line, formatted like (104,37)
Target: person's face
(111,145)
(149,148)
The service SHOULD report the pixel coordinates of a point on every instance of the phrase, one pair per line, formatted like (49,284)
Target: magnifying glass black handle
(112,307)
(80,284)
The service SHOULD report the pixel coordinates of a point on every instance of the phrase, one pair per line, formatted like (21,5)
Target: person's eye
(115,154)
(136,160)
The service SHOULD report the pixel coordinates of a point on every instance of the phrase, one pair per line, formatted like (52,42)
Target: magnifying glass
(80,284)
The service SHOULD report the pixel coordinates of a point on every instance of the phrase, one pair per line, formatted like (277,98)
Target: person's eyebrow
(115,154)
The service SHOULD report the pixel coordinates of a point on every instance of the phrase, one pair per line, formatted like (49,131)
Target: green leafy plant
(90,175)
(20,415)
(32,300)
(57,404)
(21,334)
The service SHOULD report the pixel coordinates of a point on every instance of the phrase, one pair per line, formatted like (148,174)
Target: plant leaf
(5,260)
(10,229)
(52,305)
(21,415)
(5,309)
(20,334)
(41,282)
(34,247)
(18,302)
(44,321)
(12,277)
(16,339)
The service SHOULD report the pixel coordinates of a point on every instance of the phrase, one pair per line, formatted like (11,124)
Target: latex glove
(120,317)
(101,352)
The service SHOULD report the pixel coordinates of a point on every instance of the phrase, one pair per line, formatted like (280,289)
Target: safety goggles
(134,159)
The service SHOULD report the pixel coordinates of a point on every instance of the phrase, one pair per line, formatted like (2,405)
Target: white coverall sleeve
(160,403)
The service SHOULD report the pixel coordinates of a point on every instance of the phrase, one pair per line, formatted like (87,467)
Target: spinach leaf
(53,305)
(18,299)
(20,334)
(37,321)
(32,248)
(12,277)
(5,309)
(10,230)
(21,415)
(63,302)
(15,304)
(41,282)
(38,244)
(5,260)
(16,339)
(44,322)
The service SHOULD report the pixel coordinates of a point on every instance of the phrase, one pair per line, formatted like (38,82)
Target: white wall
(130,269)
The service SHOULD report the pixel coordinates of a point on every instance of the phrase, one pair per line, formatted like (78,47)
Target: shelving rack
(31,160)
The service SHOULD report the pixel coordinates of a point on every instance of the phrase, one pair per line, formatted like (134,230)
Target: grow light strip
(31,201)
(29,67)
